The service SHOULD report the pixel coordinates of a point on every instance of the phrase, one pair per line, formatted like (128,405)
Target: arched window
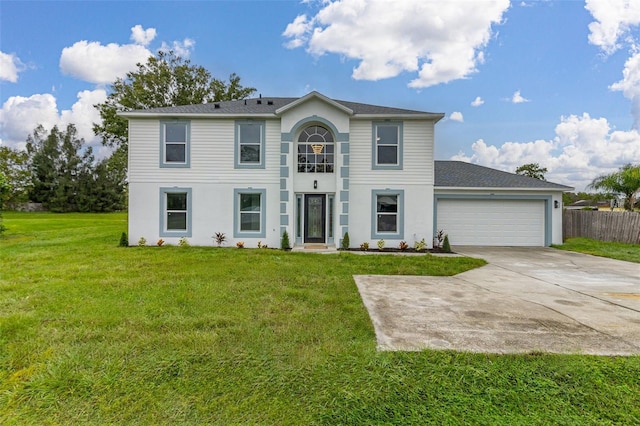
(315,150)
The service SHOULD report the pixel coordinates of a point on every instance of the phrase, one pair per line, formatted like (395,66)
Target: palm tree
(625,181)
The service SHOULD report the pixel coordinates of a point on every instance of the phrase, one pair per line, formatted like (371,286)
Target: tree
(15,170)
(165,80)
(61,168)
(4,188)
(532,170)
(625,181)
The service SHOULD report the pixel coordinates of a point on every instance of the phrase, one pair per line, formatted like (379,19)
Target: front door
(314,218)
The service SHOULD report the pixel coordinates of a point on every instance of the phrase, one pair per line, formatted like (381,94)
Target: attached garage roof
(458,174)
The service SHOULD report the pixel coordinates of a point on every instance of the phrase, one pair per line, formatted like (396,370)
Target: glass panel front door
(314,218)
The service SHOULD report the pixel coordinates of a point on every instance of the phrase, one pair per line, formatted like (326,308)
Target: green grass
(620,251)
(91,333)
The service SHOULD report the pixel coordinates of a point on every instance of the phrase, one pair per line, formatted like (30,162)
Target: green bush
(124,241)
(446,247)
(284,244)
(345,241)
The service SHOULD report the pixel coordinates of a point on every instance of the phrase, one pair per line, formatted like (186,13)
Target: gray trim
(284,147)
(237,233)
(345,160)
(283,159)
(399,235)
(236,144)
(345,208)
(163,209)
(374,146)
(344,172)
(284,196)
(548,207)
(187,154)
(345,184)
(295,129)
(283,208)
(344,220)
(344,196)
(344,148)
(283,184)
(284,172)
(284,220)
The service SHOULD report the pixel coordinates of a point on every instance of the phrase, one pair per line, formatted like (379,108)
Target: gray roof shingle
(264,105)
(458,174)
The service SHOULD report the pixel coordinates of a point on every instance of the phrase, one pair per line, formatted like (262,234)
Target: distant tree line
(61,172)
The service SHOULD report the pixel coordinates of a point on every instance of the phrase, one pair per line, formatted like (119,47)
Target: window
(249,144)
(249,213)
(387,208)
(315,150)
(387,145)
(175,208)
(174,141)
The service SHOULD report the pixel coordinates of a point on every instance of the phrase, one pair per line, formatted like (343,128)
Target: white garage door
(492,222)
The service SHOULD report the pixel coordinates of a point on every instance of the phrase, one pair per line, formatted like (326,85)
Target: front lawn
(620,251)
(94,333)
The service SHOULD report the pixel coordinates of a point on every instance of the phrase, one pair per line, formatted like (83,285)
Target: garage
(492,222)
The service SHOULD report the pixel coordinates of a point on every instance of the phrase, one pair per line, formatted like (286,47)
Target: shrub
(142,242)
(124,241)
(403,245)
(364,246)
(183,242)
(419,245)
(446,247)
(345,241)
(219,238)
(284,244)
(160,242)
(438,239)
(240,244)
(380,244)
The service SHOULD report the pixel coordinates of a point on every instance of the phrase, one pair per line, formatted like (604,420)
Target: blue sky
(553,82)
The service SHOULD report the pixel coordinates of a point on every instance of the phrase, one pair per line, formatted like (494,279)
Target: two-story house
(318,168)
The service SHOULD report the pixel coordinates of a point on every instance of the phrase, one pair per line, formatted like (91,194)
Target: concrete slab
(525,300)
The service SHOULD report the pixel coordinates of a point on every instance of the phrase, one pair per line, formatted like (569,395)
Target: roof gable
(314,95)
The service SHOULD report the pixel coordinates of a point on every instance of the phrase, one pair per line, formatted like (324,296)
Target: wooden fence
(623,227)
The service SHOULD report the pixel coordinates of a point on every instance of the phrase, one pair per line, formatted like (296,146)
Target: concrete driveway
(524,300)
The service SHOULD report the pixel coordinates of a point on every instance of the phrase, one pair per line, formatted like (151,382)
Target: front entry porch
(314,221)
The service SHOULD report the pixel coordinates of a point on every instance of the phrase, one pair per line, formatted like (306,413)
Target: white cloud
(96,63)
(614,18)
(181,48)
(583,149)
(297,31)
(456,116)
(630,86)
(517,98)
(477,102)
(10,66)
(19,116)
(440,41)
(141,36)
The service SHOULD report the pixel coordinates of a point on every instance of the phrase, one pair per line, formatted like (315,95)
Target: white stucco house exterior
(318,168)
